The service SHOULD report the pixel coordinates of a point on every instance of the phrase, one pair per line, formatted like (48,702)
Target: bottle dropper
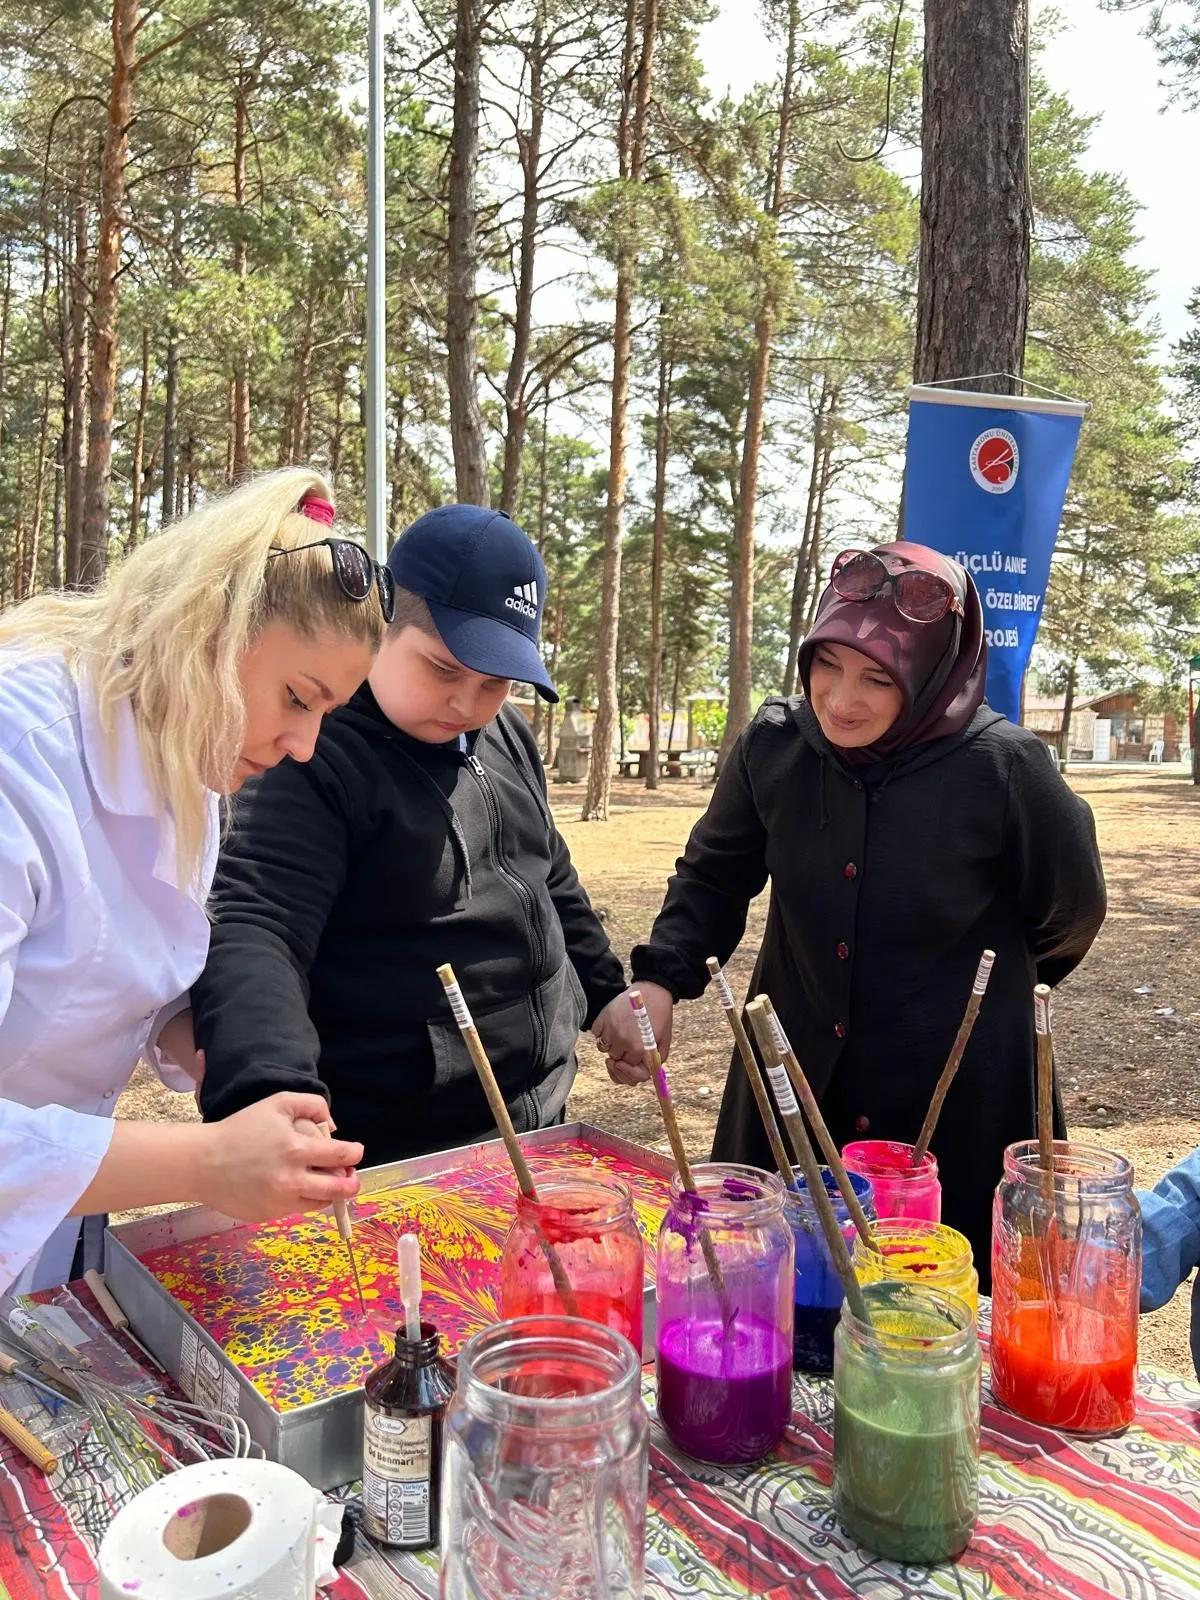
(408,1252)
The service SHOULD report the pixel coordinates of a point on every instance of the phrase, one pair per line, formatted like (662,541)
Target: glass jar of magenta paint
(900,1189)
(926,1253)
(726,1272)
(906,1423)
(544,1465)
(818,1291)
(1066,1275)
(588,1221)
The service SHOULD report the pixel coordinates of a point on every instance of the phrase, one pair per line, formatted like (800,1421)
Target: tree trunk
(462,306)
(973,283)
(60,503)
(662,445)
(102,383)
(631,153)
(4,312)
(741,630)
(1064,733)
(193,481)
(240,460)
(170,443)
(18,556)
(76,376)
(30,583)
(804,554)
(294,432)
(814,560)
(529,151)
(335,442)
(674,704)
(139,447)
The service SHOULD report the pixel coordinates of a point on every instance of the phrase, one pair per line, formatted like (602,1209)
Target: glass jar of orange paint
(1066,1273)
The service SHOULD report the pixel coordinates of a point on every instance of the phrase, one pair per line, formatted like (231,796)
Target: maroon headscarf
(939,667)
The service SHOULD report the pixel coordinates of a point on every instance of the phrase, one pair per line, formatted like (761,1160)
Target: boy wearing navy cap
(419,833)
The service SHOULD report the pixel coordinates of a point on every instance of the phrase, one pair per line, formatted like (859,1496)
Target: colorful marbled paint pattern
(279,1298)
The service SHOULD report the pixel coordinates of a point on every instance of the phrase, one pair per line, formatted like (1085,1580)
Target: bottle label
(396,1474)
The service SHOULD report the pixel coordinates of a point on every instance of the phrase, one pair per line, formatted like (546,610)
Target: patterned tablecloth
(1059,1519)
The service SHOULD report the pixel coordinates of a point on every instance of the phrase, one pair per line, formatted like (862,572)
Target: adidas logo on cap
(523,599)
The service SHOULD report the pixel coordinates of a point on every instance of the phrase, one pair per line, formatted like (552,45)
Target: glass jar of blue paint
(819,1292)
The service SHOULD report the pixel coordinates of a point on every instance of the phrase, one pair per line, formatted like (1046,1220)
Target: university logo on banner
(985,480)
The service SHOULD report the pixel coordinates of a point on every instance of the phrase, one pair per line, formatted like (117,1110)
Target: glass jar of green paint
(906,1423)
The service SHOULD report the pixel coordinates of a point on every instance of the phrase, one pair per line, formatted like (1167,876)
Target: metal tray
(321,1441)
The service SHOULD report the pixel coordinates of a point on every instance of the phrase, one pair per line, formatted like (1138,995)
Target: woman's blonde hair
(168,626)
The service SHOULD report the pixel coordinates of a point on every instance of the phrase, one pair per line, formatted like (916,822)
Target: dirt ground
(1126,1023)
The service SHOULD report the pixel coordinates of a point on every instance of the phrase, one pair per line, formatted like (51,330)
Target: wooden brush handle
(954,1060)
(30,1447)
(760,1021)
(817,1122)
(499,1109)
(105,1300)
(340,1208)
(759,1089)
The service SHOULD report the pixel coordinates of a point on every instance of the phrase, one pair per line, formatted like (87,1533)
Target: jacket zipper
(524,895)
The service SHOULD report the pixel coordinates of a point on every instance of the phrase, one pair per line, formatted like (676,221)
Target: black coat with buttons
(887,884)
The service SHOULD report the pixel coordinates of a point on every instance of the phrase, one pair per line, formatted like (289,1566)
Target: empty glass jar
(1066,1276)
(544,1465)
(725,1280)
(588,1222)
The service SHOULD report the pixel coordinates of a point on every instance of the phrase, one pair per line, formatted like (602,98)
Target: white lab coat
(98,947)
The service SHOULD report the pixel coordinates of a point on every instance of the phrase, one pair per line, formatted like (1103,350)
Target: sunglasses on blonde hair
(859,575)
(354,570)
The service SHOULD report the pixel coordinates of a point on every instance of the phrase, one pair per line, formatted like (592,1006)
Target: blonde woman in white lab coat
(208,654)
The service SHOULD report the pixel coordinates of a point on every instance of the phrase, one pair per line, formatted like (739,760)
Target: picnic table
(1060,1518)
(636,763)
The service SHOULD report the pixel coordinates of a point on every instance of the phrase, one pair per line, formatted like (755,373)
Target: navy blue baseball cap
(485,586)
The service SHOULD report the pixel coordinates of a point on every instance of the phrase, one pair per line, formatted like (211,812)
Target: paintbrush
(483,1068)
(978,988)
(794,1122)
(341,1215)
(758,1087)
(761,1021)
(662,1090)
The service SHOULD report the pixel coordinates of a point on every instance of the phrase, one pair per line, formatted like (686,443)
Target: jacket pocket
(552,1012)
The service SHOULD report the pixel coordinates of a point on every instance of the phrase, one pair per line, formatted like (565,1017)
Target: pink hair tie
(317,508)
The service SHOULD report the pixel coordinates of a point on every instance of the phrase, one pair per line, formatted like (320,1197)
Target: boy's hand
(618,1035)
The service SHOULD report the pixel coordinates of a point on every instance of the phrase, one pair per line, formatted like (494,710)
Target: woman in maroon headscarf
(904,827)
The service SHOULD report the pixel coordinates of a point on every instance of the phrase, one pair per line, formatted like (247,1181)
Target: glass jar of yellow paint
(926,1253)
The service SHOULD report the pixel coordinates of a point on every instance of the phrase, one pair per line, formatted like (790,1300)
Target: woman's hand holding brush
(617,1033)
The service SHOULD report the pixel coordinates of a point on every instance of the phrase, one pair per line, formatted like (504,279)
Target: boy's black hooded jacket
(345,882)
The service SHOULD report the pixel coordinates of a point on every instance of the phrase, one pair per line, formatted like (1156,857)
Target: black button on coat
(961,844)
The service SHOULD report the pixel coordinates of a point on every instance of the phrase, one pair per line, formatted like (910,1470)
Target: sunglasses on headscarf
(920,596)
(355,571)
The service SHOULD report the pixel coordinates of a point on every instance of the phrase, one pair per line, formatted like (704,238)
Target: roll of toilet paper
(221,1530)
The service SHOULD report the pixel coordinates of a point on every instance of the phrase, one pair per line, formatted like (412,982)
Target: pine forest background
(570,215)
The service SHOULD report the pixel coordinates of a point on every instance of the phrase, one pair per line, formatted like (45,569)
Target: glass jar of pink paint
(901,1190)
(726,1262)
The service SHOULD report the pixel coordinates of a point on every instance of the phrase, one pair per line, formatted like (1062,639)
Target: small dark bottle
(403,1411)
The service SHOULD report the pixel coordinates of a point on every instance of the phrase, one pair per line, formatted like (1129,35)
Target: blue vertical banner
(985,480)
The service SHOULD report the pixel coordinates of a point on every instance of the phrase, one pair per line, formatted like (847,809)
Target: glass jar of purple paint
(819,1292)
(726,1264)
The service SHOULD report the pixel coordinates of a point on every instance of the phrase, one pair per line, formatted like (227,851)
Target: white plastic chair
(1156,750)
